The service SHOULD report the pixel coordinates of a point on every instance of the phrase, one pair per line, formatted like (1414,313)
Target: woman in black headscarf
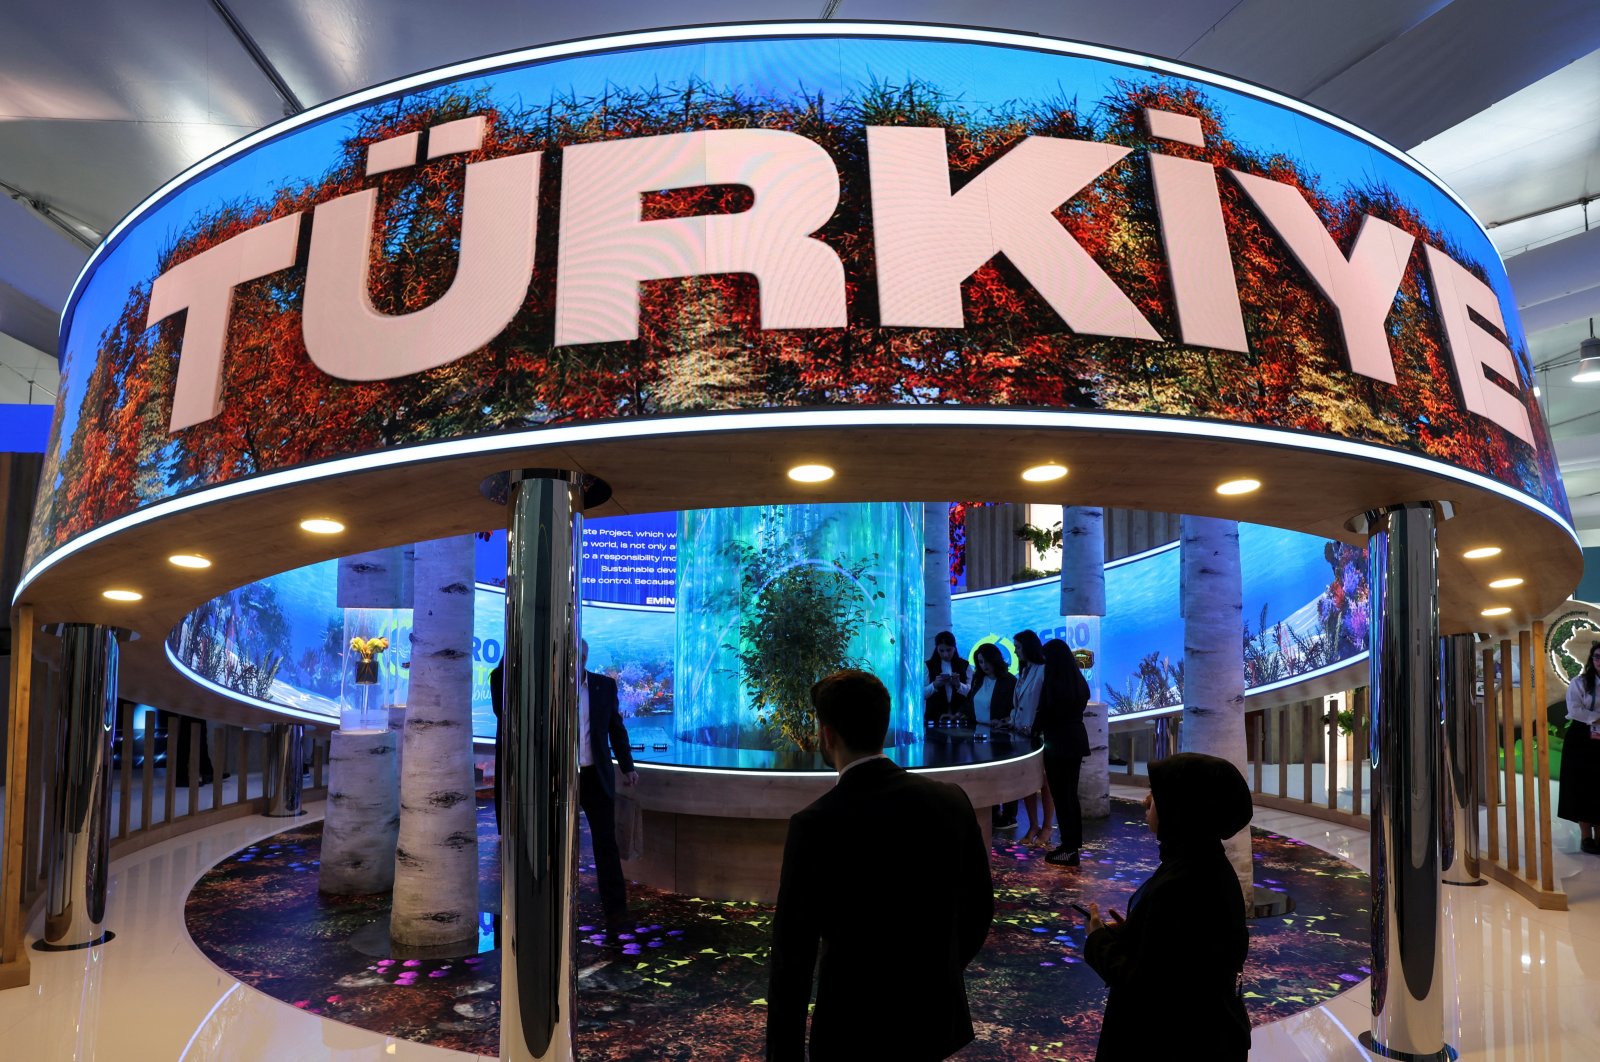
(1173,966)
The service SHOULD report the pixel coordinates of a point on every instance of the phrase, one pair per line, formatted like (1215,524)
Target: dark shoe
(1063,857)
(1590,845)
(1117,761)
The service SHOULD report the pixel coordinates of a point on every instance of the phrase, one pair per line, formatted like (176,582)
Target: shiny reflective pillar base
(1463,761)
(285,770)
(1407,946)
(80,837)
(539,773)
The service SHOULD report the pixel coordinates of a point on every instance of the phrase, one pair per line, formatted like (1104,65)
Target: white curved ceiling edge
(840,418)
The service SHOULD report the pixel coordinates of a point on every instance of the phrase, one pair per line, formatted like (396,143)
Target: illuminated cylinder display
(772,597)
(610,241)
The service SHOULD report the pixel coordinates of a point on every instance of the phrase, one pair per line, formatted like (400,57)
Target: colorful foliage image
(701,344)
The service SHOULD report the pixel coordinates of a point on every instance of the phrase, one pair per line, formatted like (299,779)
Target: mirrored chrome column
(1463,761)
(80,835)
(1407,953)
(286,769)
(539,784)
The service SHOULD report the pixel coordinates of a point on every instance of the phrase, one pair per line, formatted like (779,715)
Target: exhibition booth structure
(770,288)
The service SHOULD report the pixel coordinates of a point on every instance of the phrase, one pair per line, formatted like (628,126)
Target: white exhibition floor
(1526,982)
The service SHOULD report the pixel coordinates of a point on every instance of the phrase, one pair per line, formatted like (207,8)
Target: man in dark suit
(889,875)
(601,734)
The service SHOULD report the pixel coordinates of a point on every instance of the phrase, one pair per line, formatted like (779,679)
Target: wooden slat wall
(1508,746)
(1358,707)
(1491,773)
(125,736)
(1541,702)
(1531,740)
(1520,854)
(13,860)
(23,861)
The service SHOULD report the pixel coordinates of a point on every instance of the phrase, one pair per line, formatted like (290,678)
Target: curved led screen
(282,641)
(749,218)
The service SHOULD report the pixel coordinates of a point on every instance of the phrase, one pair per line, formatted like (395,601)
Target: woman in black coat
(992,697)
(1059,723)
(1173,967)
(992,675)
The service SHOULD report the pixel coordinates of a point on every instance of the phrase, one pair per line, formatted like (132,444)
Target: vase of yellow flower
(367,650)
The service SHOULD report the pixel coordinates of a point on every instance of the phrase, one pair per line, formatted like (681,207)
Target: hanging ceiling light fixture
(1588,358)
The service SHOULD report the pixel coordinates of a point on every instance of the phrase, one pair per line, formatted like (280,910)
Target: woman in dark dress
(1580,753)
(1173,967)
(1059,723)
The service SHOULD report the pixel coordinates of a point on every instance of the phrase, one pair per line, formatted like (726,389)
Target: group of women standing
(1043,702)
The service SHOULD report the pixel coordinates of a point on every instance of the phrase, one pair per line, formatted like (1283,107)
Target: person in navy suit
(888,877)
(601,735)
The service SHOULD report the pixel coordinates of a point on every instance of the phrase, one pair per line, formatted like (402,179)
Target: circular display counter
(719,832)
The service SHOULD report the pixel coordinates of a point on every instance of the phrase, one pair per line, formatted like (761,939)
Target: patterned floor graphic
(690,981)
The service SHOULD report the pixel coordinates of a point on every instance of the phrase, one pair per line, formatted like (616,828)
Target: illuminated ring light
(927,416)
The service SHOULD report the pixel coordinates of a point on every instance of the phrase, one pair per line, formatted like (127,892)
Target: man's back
(889,873)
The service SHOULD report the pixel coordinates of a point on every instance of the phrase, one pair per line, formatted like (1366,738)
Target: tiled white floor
(1525,981)
(151,996)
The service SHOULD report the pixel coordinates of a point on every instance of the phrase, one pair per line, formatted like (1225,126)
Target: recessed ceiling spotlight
(122,595)
(1481,552)
(1505,584)
(1239,486)
(1499,610)
(321,526)
(188,560)
(1045,473)
(810,473)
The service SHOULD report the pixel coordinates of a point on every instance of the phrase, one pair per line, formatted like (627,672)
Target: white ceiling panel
(1155,28)
(327,48)
(1536,149)
(1466,56)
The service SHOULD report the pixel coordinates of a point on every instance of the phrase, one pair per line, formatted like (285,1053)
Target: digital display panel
(281,641)
(782,222)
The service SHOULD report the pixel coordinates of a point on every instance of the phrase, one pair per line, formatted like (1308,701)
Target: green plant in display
(798,619)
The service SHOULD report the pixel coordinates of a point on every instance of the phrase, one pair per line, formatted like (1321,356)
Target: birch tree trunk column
(1083,593)
(436,858)
(363,814)
(935,572)
(1211,595)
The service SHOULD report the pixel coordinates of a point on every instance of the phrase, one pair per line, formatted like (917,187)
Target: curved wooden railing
(148,805)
